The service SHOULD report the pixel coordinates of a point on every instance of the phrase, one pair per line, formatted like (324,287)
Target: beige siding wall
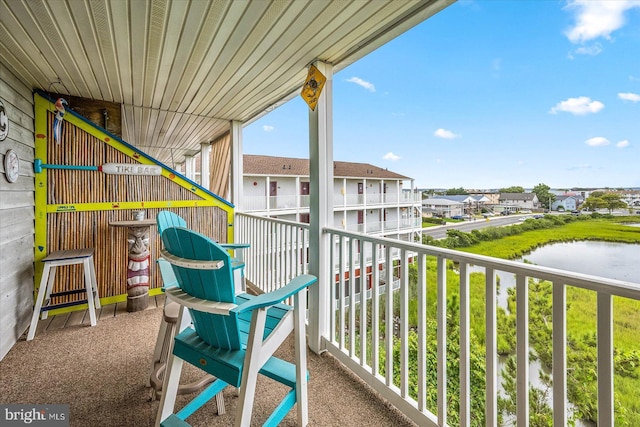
(16,213)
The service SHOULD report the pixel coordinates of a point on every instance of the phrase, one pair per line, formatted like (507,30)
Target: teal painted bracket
(38,166)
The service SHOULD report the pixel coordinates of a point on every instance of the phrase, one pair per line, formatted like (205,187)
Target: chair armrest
(237,264)
(279,295)
(199,304)
(235,245)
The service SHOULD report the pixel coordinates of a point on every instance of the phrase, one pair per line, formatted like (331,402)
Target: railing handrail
(590,282)
(275,220)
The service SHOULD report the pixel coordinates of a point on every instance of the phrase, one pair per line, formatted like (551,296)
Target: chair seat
(227,364)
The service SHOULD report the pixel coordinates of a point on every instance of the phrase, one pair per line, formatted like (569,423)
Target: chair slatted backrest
(166,219)
(211,284)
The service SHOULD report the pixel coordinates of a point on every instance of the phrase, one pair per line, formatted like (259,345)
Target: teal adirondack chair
(166,219)
(233,336)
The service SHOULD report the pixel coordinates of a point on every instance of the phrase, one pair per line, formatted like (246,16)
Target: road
(440,231)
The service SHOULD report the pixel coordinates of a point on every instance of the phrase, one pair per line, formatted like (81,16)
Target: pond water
(619,261)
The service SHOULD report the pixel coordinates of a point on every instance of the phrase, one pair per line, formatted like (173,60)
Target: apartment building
(367,198)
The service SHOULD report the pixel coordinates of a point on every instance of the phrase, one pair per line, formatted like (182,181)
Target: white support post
(235,189)
(190,167)
(321,209)
(237,171)
(205,150)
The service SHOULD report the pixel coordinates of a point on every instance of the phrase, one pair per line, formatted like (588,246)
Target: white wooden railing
(278,250)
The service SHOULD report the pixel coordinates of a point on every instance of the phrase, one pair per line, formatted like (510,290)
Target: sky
(489,94)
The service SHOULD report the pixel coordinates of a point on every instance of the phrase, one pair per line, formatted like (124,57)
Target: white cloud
(391,156)
(628,96)
(268,128)
(445,134)
(578,106)
(365,84)
(597,18)
(622,144)
(592,50)
(597,141)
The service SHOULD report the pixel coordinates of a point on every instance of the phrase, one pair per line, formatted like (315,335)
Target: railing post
(491,405)
(605,359)
(559,362)
(465,350)
(321,209)
(522,351)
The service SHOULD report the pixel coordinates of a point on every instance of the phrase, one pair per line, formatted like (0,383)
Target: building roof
(463,198)
(272,165)
(517,196)
(437,201)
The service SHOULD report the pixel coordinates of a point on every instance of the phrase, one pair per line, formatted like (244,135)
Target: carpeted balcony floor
(101,373)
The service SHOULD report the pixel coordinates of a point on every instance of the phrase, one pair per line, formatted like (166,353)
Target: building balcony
(101,371)
(345,201)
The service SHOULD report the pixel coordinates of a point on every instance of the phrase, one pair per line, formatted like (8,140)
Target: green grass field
(581,314)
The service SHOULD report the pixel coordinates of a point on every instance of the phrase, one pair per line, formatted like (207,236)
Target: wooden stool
(43,301)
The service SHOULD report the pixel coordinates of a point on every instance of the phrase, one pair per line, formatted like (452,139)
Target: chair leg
(169,388)
(94,281)
(88,283)
(44,283)
(157,352)
(251,368)
(301,357)
(48,288)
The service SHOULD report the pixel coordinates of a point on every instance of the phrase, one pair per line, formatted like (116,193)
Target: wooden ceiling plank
(83,21)
(253,12)
(275,20)
(120,29)
(140,15)
(154,39)
(197,59)
(186,43)
(174,26)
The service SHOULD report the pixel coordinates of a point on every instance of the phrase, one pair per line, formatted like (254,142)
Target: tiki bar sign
(130,169)
(108,168)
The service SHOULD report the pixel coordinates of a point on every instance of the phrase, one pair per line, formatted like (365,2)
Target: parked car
(575,212)
(458,217)
(504,213)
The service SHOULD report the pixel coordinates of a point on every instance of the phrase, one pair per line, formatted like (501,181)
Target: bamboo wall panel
(220,165)
(75,230)
(79,186)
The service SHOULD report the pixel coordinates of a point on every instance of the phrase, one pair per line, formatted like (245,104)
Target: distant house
(566,203)
(442,207)
(630,197)
(493,199)
(471,203)
(518,201)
